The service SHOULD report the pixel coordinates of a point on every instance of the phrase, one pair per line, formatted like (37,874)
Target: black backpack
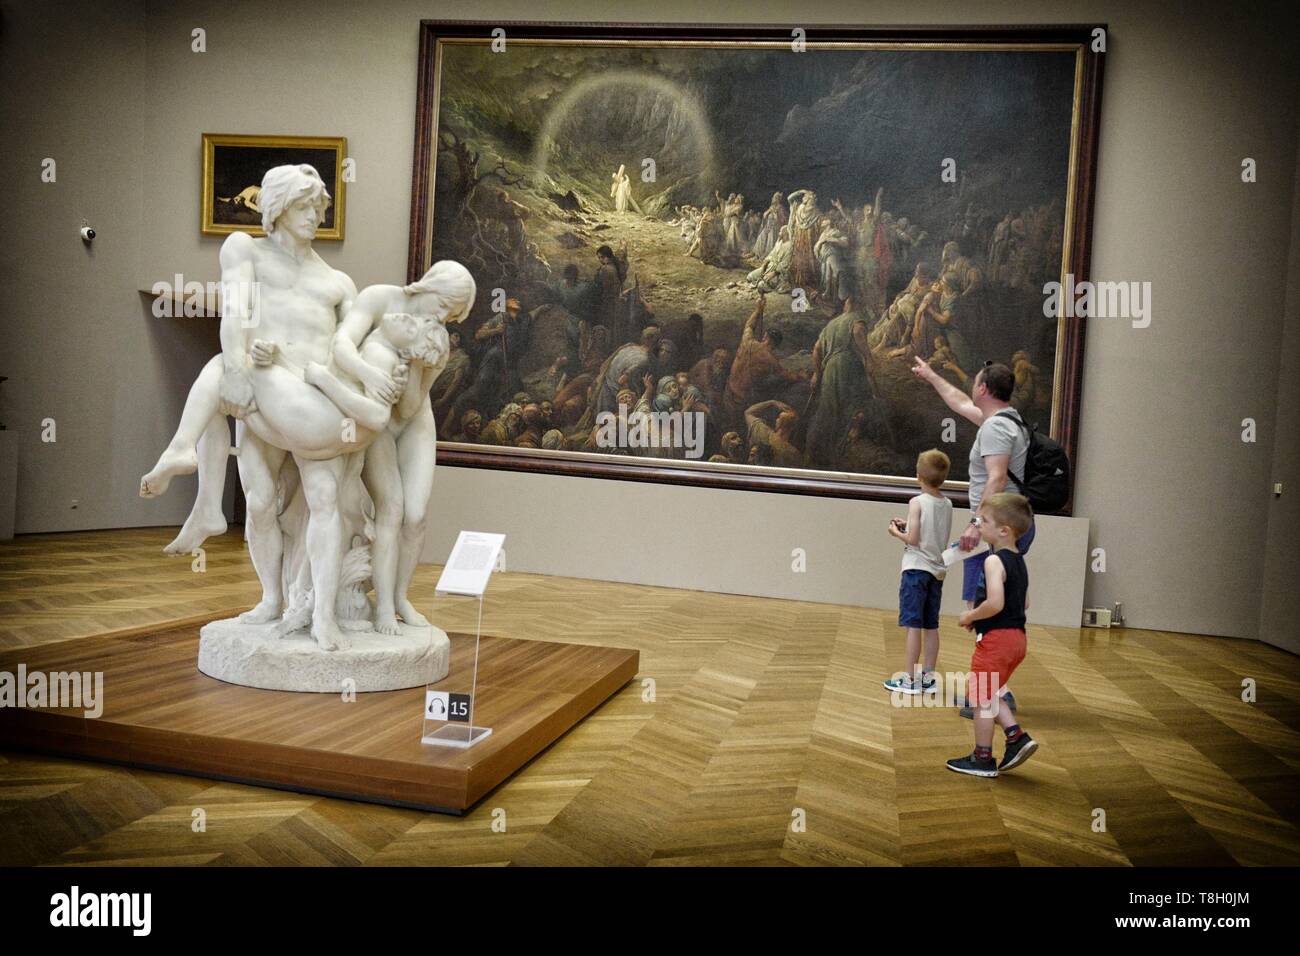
(1046,481)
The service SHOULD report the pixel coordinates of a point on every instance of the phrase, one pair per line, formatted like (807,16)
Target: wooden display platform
(159,712)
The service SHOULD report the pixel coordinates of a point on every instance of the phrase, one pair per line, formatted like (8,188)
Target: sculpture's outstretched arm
(238,315)
(367,412)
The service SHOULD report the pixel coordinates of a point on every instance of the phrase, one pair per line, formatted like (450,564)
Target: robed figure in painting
(773,219)
(842,385)
(805,224)
(621,190)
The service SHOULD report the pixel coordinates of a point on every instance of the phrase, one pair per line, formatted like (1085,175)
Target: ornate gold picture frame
(233,166)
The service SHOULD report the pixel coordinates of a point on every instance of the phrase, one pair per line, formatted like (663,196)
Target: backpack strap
(1007,413)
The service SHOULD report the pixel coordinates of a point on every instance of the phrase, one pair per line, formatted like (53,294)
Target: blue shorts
(972,572)
(919,593)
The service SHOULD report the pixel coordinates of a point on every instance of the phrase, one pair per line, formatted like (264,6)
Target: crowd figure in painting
(761,403)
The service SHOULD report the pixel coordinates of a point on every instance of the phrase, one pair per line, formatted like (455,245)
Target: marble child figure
(311,410)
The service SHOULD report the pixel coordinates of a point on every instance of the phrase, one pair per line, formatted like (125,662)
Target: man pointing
(999,451)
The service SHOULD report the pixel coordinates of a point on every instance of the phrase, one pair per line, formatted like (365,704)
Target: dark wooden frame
(1067,384)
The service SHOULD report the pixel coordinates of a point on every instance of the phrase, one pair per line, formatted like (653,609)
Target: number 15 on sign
(443,705)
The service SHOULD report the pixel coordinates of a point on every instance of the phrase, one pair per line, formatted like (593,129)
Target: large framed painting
(233,167)
(713,255)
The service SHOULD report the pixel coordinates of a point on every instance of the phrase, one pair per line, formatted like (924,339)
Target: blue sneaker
(974,766)
(901,685)
(1018,752)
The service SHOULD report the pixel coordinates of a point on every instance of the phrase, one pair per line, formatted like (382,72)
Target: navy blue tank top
(1013,592)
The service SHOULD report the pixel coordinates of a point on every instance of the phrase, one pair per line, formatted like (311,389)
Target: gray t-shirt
(936,528)
(998,435)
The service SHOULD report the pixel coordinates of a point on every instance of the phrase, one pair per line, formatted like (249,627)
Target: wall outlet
(1096,617)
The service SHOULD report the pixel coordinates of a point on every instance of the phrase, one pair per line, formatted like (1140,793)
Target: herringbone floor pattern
(765,739)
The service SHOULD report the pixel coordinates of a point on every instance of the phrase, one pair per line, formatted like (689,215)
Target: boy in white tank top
(925,536)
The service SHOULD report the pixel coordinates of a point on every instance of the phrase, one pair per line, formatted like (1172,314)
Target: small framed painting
(233,167)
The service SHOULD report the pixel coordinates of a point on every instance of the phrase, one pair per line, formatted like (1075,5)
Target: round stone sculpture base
(256,655)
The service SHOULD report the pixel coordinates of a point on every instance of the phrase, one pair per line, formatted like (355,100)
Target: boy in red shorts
(998,620)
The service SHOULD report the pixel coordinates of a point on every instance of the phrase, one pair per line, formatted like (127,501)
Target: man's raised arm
(754,324)
(755,412)
(952,396)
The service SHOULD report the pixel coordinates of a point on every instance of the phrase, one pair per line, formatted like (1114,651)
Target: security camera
(87,234)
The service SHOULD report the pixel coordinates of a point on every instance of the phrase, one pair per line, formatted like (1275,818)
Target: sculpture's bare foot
(314,373)
(327,634)
(197,529)
(170,464)
(295,619)
(266,611)
(410,615)
(387,624)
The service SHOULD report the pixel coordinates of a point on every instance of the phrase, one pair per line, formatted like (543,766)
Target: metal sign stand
(455,733)
(468,569)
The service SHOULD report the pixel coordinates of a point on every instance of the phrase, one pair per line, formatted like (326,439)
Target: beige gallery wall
(1280,609)
(1190,89)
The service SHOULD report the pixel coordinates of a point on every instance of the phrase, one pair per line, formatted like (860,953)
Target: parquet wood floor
(756,733)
